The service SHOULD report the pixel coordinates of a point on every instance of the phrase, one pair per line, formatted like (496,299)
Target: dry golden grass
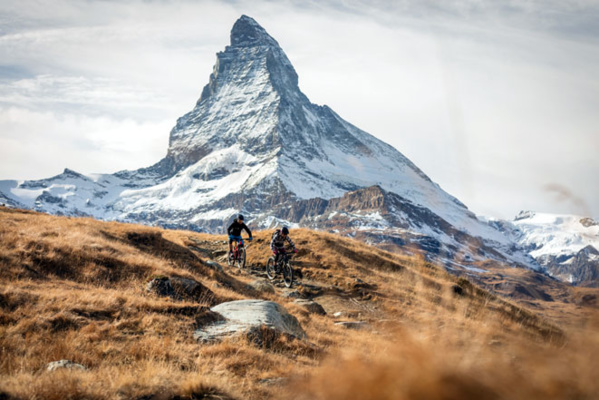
(74,288)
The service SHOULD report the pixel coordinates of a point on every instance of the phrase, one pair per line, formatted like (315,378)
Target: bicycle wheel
(270,268)
(287,274)
(241,258)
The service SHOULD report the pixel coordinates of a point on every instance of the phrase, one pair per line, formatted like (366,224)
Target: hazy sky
(497,101)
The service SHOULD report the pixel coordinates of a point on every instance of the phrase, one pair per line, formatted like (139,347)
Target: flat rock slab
(357,325)
(290,294)
(65,364)
(249,316)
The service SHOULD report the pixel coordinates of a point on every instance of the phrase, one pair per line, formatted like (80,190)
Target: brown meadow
(74,288)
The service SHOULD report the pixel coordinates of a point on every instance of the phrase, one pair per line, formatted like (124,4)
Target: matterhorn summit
(254,139)
(254,143)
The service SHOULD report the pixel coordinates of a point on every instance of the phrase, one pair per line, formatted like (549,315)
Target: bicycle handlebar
(289,250)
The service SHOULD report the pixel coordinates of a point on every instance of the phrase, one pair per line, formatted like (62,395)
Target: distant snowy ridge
(567,246)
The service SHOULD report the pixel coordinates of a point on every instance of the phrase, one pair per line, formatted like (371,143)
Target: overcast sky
(496,101)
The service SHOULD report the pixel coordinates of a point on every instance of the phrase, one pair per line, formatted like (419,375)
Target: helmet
(240,217)
(285,230)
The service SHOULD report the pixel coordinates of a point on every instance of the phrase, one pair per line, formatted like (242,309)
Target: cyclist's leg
(231,243)
(277,255)
(280,257)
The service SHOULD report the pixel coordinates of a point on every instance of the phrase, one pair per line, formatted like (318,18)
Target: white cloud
(36,144)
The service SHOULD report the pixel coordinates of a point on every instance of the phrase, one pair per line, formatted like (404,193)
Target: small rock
(161,286)
(262,286)
(53,366)
(589,299)
(274,381)
(311,290)
(311,306)
(291,294)
(357,325)
(214,265)
(457,290)
(191,289)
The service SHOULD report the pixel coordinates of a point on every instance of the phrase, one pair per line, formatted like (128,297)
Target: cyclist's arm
(248,231)
(291,242)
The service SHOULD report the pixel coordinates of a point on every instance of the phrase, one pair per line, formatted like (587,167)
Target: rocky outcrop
(180,289)
(161,286)
(581,268)
(588,222)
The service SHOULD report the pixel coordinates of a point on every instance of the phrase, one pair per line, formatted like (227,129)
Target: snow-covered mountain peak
(247,32)
(241,104)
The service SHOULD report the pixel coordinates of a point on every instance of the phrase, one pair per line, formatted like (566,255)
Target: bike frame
(284,257)
(238,245)
(280,264)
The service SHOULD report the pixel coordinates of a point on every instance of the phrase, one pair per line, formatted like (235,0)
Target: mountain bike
(237,256)
(282,265)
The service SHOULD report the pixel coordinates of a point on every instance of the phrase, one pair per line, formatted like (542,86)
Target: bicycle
(238,255)
(274,267)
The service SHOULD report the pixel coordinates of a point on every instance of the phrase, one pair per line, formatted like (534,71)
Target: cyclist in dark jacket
(277,244)
(234,231)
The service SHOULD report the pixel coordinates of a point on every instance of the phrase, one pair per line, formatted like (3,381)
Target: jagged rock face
(239,106)
(580,268)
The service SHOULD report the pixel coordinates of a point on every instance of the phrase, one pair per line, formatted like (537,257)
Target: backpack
(275,234)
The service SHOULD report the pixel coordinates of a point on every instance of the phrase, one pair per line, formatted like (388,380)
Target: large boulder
(253,318)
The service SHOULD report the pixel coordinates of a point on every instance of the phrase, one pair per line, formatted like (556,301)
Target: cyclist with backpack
(234,231)
(277,244)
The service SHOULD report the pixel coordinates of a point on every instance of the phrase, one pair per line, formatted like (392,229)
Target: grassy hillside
(75,288)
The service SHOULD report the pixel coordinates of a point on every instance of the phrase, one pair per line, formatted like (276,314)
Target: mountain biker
(277,244)
(234,231)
